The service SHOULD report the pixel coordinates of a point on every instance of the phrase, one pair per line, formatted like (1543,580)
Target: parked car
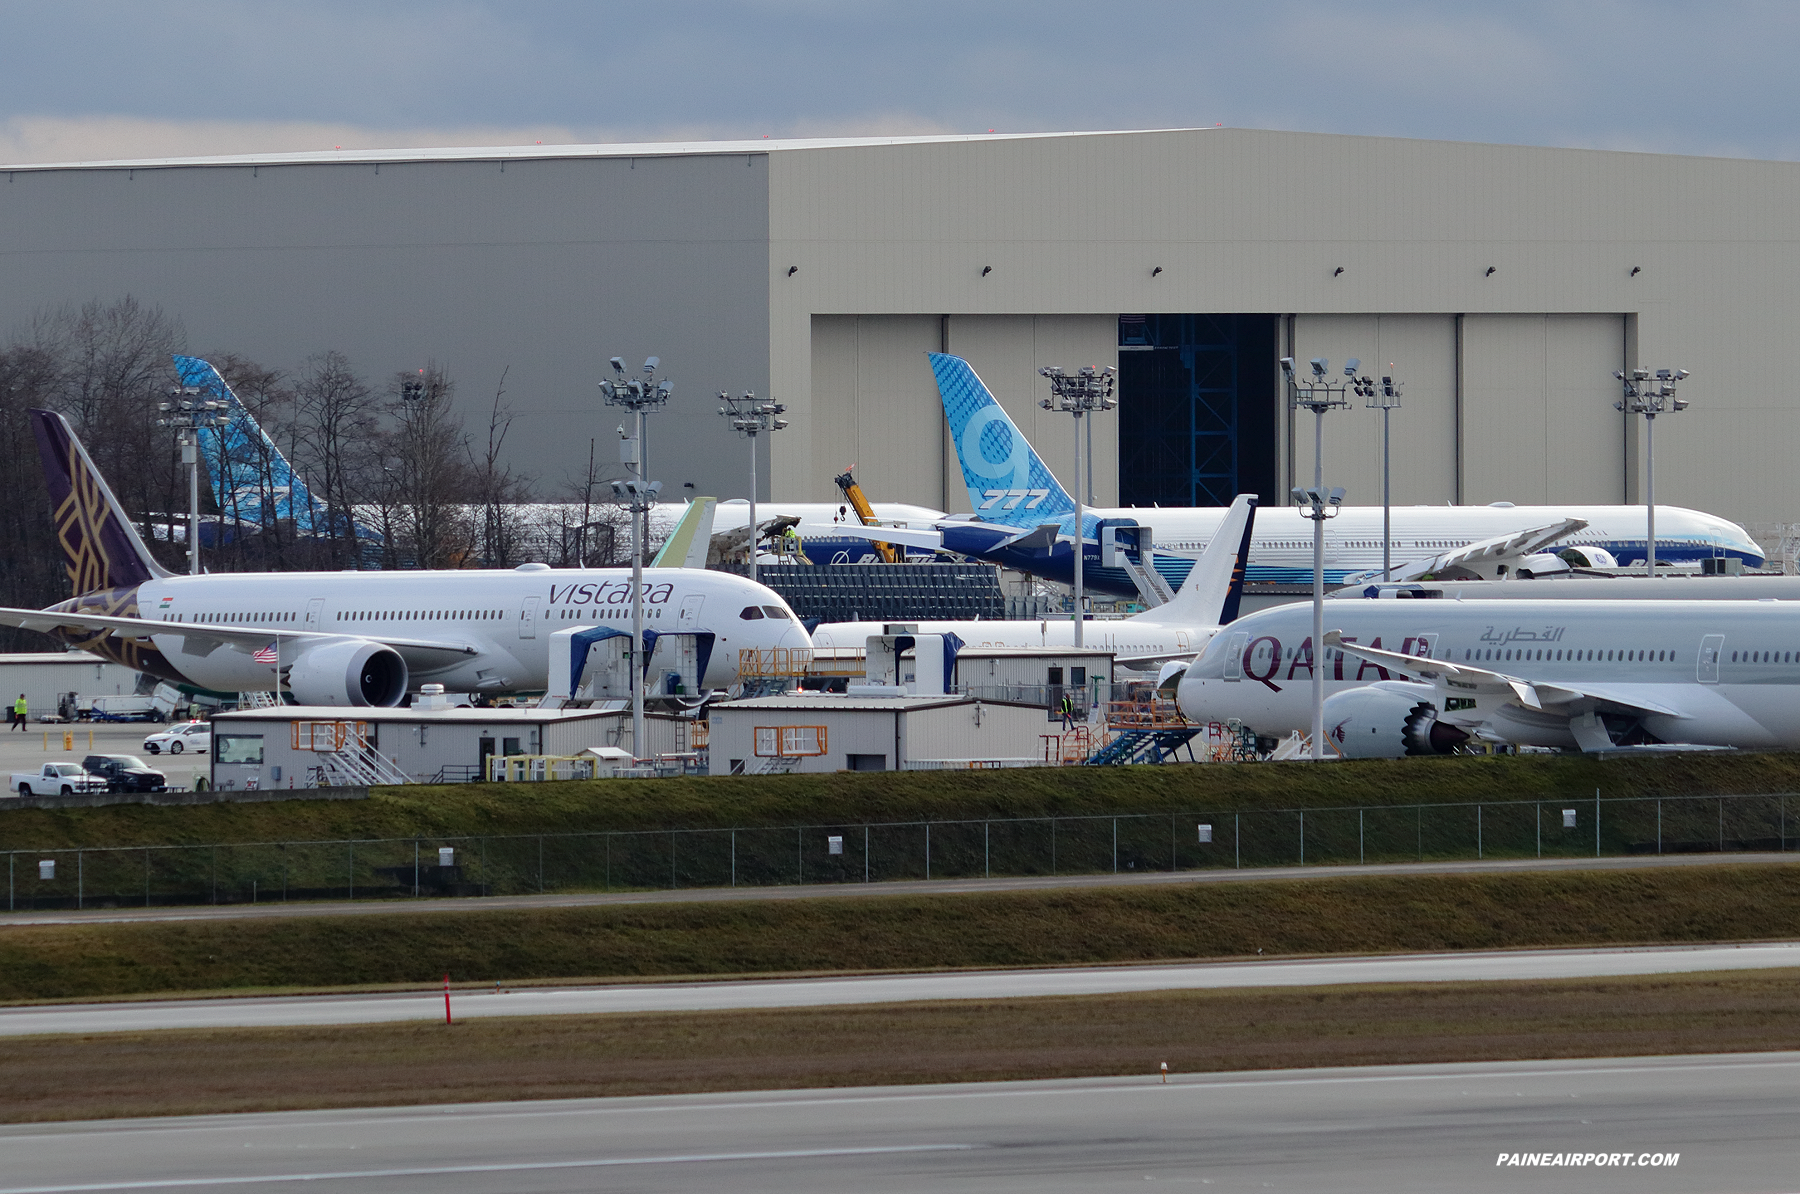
(189,735)
(125,773)
(61,779)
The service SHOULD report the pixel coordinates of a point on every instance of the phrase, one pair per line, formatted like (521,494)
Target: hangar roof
(492,152)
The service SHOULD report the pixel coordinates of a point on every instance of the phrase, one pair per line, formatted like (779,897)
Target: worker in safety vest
(19,710)
(1068,711)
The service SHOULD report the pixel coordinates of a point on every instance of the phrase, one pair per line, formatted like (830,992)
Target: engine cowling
(1389,720)
(351,672)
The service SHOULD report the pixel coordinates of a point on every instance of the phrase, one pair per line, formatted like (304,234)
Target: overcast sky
(85,79)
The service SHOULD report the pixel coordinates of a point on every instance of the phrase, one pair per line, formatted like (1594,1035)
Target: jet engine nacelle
(352,672)
(1388,720)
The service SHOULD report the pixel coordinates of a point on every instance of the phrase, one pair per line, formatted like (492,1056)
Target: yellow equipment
(866,513)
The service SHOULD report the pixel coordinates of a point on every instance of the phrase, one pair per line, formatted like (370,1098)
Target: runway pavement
(821,992)
(708,895)
(1726,1122)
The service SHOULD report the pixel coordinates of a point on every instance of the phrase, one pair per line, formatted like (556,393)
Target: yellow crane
(866,513)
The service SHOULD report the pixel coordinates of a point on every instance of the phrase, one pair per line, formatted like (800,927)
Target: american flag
(267,655)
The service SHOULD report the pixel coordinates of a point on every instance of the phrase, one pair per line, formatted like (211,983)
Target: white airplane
(1208,599)
(1422,677)
(1024,519)
(360,638)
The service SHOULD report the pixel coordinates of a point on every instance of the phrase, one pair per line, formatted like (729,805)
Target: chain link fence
(391,868)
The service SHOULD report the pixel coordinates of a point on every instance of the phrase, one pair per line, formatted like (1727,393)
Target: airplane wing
(251,637)
(1534,694)
(906,536)
(1479,558)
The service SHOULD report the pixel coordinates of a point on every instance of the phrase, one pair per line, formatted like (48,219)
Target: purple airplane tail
(101,549)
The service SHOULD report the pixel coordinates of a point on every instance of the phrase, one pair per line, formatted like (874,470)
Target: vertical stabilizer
(1215,584)
(1007,482)
(101,548)
(687,543)
(251,480)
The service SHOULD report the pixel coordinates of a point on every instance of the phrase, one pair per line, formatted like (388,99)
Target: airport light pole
(640,396)
(189,410)
(749,418)
(1318,393)
(1080,393)
(1650,396)
(1387,401)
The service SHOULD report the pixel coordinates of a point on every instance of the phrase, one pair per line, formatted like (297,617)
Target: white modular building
(1502,284)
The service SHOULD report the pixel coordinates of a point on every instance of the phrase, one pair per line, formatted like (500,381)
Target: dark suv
(124,773)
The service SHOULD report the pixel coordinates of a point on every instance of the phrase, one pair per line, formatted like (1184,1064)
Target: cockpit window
(751,614)
(776,612)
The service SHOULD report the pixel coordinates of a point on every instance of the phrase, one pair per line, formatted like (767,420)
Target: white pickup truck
(60,779)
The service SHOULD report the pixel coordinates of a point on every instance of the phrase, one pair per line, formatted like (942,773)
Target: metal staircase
(257,700)
(359,765)
(774,765)
(1143,746)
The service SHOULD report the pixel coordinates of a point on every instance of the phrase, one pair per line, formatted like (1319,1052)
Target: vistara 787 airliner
(1023,518)
(361,638)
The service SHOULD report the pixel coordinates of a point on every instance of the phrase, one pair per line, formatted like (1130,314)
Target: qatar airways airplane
(360,638)
(1024,519)
(1422,677)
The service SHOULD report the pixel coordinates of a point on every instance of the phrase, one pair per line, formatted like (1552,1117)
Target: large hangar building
(1504,284)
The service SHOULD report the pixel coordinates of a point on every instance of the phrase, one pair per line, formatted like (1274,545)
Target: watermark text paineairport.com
(1590,1160)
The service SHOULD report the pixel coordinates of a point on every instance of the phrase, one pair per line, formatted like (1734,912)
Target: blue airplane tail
(252,481)
(1007,482)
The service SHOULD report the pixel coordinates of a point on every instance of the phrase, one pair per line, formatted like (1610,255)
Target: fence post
(540,864)
(1362,854)
(147,879)
(1659,824)
(1721,825)
(1302,837)
(12,860)
(928,849)
(415,868)
(80,878)
(799,857)
(1237,843)
(1115,845)
(1053,845)
(353,870)
(1478,851)
(987,870)
(215,872)
(1540,828)
(1419,818)
(733,858)
(1596,822)
(865,853)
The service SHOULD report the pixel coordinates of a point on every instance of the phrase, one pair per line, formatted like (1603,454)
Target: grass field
(165,1073)
(1335,913)
(476,809)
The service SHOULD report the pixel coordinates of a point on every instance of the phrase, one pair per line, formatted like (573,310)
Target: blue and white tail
(1007,482)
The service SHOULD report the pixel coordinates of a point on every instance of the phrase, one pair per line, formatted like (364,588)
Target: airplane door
(1711,647)
(689,617)
(314,609)
(528,618)
(1234,656)
(1182,643)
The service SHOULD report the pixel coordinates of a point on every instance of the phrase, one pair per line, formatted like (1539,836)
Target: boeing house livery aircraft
(361,638)
(1024,519)
(1207,600)
(1422,677)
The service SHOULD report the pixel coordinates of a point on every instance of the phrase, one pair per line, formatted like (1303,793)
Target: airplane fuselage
(1730,670)
(501,619)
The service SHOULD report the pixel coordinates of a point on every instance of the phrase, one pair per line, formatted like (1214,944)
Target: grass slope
(67,1077)
(1340,914)
(475,809)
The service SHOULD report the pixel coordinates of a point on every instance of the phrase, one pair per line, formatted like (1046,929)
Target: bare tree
(426,454)
(31,565)
(500,491)
(337,441)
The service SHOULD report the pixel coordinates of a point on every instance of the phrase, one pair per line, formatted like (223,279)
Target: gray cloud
(83,78)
